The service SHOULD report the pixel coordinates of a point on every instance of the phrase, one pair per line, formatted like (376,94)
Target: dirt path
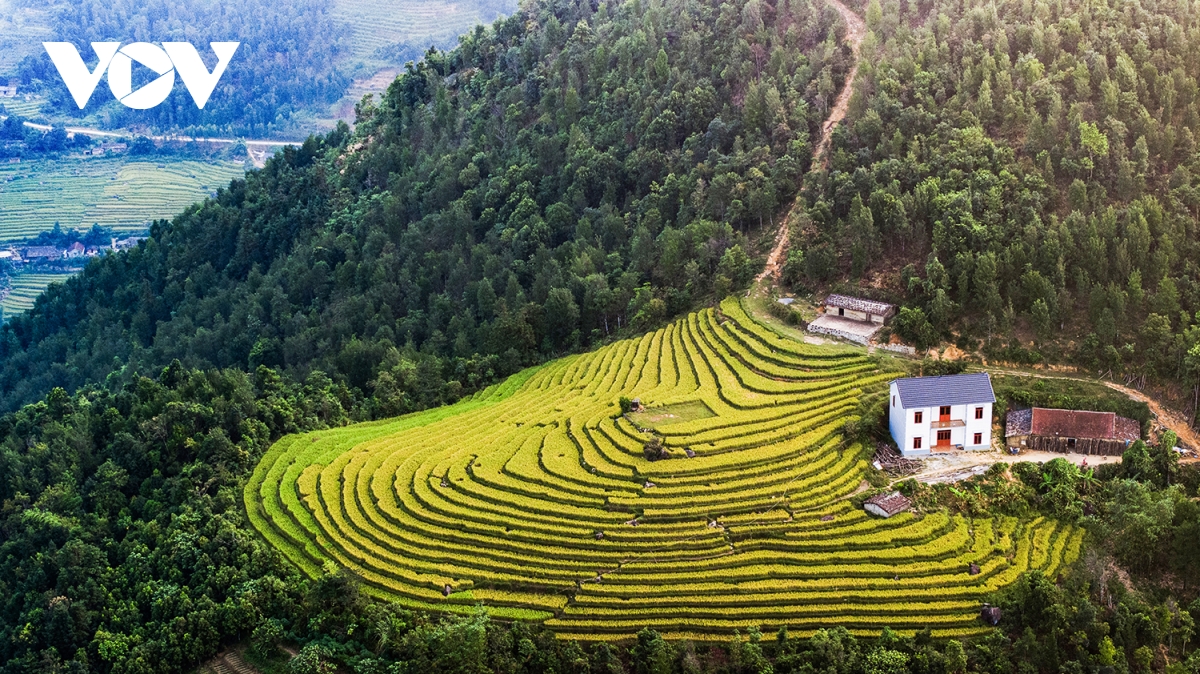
(1166,416)
(951,467)
(855,31)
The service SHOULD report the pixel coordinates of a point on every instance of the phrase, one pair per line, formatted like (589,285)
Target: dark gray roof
(858,304)
(953,389)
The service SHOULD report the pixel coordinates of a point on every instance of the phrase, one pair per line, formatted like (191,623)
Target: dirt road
(1166,416)
(855,31)
(953,467)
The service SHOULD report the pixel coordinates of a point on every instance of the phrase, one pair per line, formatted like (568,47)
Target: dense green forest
(1022,168)
(288,60)
(552,181)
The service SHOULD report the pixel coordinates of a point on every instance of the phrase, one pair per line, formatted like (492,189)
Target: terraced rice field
(534,499)
(124,194)
(31,108)
(25,289)
(417,22)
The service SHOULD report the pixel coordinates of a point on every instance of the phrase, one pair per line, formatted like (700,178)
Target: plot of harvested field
(535,498)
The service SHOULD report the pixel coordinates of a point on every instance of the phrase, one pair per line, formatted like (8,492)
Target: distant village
(72,255)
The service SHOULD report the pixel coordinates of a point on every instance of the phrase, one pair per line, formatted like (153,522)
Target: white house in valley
(932,414)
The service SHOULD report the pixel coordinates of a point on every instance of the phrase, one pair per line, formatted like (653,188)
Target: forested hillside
(1022,169)
(567,174)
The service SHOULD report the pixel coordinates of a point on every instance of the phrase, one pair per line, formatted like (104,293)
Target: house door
(943,438)
(944,413)
(841,311)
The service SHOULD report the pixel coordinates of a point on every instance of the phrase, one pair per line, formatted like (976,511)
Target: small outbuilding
(33,253)
(851,318)
(1074,431)
(858,309)
(887,504)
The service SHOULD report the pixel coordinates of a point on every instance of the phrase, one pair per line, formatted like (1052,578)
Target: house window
(916,443)
(979,438)
(944,411)
(918,417)
(893,401)
(978,412)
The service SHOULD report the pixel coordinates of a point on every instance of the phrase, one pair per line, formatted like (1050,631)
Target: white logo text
(117,61)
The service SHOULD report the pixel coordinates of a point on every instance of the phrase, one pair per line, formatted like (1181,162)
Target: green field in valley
(535,499)
(25,288)
(123,193)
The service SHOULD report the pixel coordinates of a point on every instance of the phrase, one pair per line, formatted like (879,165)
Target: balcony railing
(953,423)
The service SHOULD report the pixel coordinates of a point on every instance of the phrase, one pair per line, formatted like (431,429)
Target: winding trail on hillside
(856,30)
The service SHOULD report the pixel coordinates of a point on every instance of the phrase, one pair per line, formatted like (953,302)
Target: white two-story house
(941,413)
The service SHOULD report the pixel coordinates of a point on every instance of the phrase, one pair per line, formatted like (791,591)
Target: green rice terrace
(419,22)
(535,499)
(125,194)
(24,290)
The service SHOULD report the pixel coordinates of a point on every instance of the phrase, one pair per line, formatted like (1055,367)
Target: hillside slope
(1023,177)
(563,176)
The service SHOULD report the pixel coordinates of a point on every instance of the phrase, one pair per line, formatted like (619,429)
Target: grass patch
(663,415)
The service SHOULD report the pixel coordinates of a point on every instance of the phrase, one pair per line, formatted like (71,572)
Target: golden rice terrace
(535,499)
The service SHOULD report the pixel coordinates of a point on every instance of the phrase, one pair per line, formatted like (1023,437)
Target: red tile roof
(1074,423)
(1128,429)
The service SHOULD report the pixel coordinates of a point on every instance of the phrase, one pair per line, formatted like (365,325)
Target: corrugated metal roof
(1019,422)
(858,304)
(951,389)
